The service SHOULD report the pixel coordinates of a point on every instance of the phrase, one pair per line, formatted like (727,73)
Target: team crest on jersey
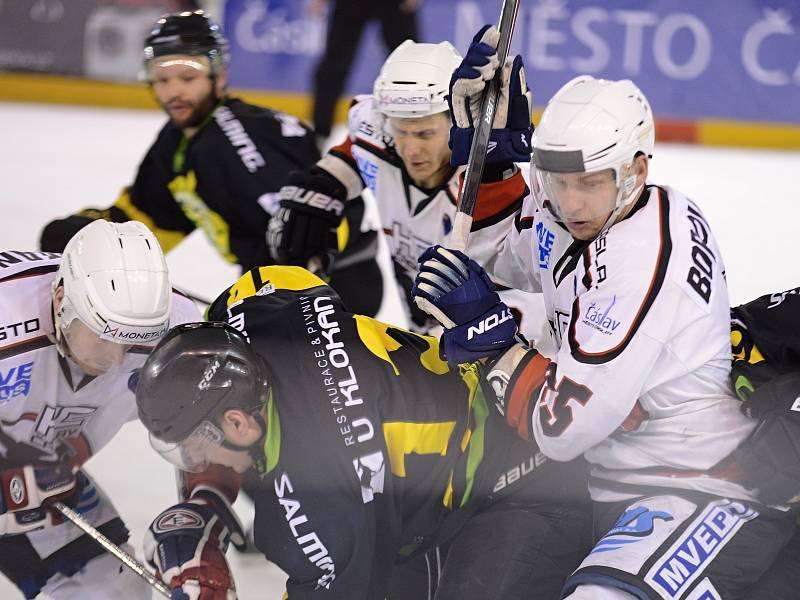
(15,382)
(546,239)
(634,524)
(368,170)
(266,289)
(447,224)
(600,318)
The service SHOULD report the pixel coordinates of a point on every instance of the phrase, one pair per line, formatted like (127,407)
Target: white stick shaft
(122,556)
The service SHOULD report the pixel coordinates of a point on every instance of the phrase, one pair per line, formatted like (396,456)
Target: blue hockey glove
(510,139)
(186,545)
(456,291)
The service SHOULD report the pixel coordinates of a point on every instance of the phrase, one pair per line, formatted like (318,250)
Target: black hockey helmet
(197,371)
(190,32)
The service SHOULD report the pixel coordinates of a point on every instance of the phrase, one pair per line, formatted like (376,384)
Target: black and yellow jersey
(764,340)
(223,180)
(373,447)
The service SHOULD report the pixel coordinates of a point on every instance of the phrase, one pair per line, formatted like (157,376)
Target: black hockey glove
(304,228)
(769,460)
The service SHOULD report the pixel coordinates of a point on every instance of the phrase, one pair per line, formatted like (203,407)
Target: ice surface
(54,160)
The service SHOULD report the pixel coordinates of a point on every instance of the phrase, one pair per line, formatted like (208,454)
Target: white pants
(598,592)
(103,578)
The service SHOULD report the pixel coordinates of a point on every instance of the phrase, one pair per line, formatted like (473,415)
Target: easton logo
(17,489)
(178,519)
(489,323)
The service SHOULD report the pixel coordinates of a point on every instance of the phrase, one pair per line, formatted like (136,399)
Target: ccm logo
(489,322)
(311,198)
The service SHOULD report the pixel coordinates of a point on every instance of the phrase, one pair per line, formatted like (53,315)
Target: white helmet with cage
(414,80)
(591,125)
(115,288)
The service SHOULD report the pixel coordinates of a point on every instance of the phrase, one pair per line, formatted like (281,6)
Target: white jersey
(641,327)
(44,398)
(412,218)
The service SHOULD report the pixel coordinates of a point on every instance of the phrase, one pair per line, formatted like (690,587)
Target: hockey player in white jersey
(635,293)
(397,146)
(75,330)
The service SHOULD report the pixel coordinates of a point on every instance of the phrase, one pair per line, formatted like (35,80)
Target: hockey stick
(480,140)
(122,556)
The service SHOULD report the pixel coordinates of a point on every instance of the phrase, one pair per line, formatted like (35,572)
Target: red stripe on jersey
(524,386)
(346,148)
(496,197)
(41,341)
(82,449)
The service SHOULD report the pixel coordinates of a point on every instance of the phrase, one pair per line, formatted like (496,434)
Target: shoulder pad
(365,122)
(623,274)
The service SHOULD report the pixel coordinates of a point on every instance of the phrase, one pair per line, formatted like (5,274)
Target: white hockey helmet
(591,125)
(414,80)
(116,284)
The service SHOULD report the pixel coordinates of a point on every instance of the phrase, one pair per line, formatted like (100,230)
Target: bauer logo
(702,540)
(178,519)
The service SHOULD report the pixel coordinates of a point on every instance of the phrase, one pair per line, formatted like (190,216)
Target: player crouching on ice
(370,451)
(635,292)
(77,327)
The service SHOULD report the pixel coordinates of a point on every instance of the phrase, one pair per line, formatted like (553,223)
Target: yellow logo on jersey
(184,190)
(744,349)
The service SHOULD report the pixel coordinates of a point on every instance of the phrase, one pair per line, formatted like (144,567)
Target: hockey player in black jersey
(218,164)
(370,450)
(766,375)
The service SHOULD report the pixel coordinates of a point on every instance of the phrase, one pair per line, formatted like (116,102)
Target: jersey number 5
(555,420)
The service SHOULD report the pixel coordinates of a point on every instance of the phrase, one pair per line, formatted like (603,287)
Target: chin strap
(256,450)
(56,336)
